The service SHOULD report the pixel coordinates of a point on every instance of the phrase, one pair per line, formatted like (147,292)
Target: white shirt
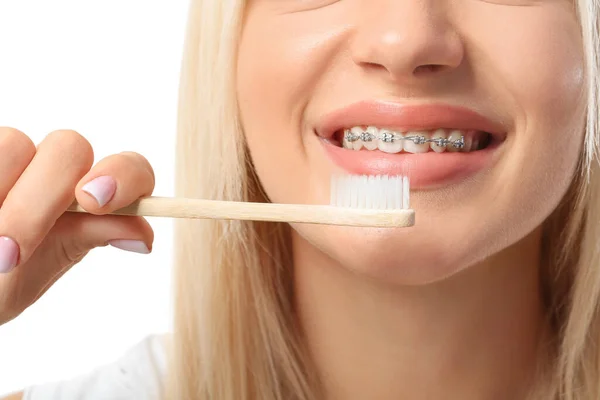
(138,374)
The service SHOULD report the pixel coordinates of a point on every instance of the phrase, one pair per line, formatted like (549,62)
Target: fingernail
(9,254)
(102,189)
(135,246)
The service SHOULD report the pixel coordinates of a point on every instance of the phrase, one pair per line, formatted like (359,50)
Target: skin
(450,308)
(51,241)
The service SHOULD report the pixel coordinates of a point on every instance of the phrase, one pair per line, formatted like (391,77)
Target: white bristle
(405,193)
(368,201)
(370,191)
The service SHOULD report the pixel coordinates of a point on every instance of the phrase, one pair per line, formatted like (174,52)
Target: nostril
(429,68)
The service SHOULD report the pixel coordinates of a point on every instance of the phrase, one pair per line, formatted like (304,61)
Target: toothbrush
(355,200)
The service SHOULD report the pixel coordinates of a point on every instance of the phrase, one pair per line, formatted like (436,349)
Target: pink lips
(427,170)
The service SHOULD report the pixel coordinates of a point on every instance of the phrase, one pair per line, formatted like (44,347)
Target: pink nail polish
(135,246)
(102,189)
(9,254)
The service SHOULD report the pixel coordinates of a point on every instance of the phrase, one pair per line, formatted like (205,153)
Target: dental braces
(390,137)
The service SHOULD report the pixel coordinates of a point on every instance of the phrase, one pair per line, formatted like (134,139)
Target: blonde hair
(235,336)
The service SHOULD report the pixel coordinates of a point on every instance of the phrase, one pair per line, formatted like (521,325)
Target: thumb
(76,234)
(67,243)
(80,233)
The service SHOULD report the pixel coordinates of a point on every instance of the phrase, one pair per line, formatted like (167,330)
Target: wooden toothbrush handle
(296,213)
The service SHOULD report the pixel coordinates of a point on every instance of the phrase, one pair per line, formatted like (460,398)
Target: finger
(71,238)
(42,193)
(115,182)
(16,152)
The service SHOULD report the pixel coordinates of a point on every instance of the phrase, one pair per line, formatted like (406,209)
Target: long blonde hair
(234,335)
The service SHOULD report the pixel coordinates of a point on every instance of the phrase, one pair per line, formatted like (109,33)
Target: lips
(426,170)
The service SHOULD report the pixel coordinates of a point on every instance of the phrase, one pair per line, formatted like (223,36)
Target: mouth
(438,144)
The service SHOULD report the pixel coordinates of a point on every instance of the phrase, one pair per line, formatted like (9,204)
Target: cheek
(278,71)
(535,71)
(537,62)
(267,84)
(543,70)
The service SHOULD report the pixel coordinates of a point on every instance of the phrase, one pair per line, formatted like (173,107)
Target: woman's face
(506,74)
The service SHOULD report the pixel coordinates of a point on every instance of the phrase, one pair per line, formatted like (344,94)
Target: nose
(406,39)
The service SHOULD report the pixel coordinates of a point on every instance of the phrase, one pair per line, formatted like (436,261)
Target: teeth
(346,144)
(412,146)
(371,143)
(468,144)
(394,146)
(389,141)
(454,135)
(357,145)
(438,134)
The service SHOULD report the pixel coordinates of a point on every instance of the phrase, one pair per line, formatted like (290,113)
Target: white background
(108,69)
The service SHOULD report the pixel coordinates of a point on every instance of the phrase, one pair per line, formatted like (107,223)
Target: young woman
(494,294)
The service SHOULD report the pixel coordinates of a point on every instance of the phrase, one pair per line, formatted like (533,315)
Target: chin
(398,256)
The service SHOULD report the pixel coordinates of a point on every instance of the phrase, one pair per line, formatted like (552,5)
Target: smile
(438,145)
(392,141)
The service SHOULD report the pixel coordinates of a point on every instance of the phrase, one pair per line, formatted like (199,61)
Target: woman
(494,294)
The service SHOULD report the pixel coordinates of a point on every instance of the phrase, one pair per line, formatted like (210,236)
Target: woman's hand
(39,241)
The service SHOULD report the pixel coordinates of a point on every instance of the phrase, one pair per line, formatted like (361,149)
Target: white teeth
(395,146)
(357,145)
(454,135)
(440,133)
(412,147)
(345,142)
(388,141)
(372,144)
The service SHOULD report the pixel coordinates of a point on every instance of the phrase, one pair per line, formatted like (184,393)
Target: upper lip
(406,117)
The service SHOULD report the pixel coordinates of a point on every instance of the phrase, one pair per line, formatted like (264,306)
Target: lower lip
(426,170)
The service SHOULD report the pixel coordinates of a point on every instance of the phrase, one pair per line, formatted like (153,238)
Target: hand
(39,241)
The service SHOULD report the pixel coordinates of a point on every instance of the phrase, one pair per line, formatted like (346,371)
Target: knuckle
(8,131)
(69,252)
(73,145)
(70,249)
(16,140)
(69,139)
